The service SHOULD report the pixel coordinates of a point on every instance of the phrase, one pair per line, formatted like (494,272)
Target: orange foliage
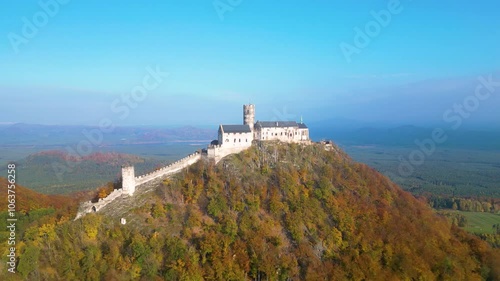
(27,199)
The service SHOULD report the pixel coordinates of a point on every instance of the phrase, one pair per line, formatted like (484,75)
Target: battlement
(91,207)
(215,146)
(169,169)
(130,182)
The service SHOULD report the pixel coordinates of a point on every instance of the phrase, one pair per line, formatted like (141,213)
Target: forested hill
(273,212)
(27,199)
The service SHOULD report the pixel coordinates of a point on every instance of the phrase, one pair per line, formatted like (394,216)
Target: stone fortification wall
(170,169)
(89,206)
(217,152)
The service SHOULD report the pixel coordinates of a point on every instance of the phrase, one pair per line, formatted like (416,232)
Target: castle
(236,138)
(231,139)
(242,135)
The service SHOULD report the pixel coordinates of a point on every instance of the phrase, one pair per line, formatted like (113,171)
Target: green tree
(28,261)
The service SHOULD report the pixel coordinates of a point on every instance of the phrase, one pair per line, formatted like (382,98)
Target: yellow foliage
(91,225)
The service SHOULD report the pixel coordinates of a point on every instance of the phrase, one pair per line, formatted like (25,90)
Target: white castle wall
(89,207)
(130,183)
(217,152)
(170,169)
(236,139)
(283,134)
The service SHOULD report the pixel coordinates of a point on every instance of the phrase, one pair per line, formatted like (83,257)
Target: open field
(480,222)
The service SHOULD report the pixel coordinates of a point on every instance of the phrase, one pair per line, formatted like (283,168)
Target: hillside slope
(273,212)
(27,199)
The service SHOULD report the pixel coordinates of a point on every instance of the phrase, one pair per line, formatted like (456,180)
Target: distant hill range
(33,134)
(343,131)
(355,133)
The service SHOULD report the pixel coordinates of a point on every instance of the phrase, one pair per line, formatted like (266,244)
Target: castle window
(227,140)
(239,140)
(234,140)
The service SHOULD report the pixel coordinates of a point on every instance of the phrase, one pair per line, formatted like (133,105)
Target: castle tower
(249,115)
(128,179)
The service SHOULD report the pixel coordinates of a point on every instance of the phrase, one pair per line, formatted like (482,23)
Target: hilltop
(272,212)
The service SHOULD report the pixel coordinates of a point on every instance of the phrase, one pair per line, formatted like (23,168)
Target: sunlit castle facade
(242,135)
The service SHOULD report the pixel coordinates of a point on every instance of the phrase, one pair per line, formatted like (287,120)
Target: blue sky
(284,56)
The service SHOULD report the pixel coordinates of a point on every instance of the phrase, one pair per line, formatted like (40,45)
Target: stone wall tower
(128,180)
(249,115)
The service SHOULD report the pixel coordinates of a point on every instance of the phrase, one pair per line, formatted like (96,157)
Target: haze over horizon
(80,66)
